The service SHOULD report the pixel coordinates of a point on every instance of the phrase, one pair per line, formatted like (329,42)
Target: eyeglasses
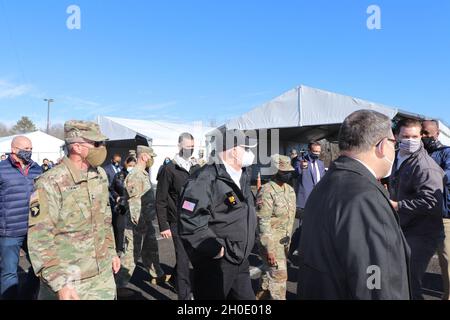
(391,140)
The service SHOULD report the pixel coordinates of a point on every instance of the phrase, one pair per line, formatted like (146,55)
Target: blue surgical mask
(25,156)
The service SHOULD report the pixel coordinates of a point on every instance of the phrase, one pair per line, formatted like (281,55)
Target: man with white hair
(17,174)
(217,221)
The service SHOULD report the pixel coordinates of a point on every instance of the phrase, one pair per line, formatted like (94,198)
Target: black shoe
(127,294)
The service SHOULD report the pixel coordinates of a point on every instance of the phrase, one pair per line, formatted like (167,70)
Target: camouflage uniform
(70,236)
(276,215)
(141,202)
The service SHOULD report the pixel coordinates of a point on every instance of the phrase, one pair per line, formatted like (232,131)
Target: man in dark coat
(217,222)
(416,188)
(441,154)
(171,178)
(114,167)
(309,171)
(352,246)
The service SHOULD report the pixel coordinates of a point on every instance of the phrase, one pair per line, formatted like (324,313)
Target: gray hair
(363,129)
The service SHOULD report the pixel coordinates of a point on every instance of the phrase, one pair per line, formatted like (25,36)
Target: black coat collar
(349,164)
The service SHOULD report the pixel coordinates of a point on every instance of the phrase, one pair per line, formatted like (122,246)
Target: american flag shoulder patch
(189,204)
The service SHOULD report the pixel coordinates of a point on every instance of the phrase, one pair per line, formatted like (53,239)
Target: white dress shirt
(234,174)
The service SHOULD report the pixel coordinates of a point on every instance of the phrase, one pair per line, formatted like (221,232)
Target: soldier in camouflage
(276,205)
(141,203)
(70,238)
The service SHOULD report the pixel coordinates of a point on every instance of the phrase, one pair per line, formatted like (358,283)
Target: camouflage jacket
(70,234)
(140,194)
(276,214)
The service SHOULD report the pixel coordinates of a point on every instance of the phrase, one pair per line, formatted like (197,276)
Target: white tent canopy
(44,146)
(162,136)
(310,107)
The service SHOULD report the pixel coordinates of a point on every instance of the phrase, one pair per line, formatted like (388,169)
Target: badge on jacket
(34,205)
(231,199)
(189,204)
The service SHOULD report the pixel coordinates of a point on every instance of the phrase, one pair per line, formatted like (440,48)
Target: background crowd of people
(368,225)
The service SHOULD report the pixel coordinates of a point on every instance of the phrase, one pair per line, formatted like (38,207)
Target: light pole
(48,113)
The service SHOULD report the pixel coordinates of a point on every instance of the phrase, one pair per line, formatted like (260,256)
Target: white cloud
(10,90)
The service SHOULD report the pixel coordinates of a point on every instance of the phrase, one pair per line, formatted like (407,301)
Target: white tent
(161,135)
(317,110)
(44,146)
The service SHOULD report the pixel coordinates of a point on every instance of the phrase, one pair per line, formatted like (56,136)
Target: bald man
(17,174)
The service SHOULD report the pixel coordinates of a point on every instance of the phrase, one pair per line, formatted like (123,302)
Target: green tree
(24,125)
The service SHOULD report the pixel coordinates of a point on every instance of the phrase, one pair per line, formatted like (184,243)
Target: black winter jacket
(214,212)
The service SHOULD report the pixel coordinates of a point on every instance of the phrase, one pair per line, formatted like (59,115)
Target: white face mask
(409,146)
(248,159)
(130,169)
(391,165)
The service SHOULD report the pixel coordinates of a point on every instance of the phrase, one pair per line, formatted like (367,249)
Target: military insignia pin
(35,211)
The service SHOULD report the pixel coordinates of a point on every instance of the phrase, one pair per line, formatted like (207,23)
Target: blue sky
(205,59)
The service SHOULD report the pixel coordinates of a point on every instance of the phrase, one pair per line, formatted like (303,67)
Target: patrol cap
(78,131)
(282,163)
(228,139)
(145,149)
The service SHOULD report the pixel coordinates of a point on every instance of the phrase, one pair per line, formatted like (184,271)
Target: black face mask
(430,144)
(186,153)
(25,156)
(284,177)
(313,156)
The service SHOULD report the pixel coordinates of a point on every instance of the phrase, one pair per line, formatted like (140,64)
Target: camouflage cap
(78,131)
(282,163)
(145,149)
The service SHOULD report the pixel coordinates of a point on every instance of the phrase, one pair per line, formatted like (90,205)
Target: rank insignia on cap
(231,199)
(189,204)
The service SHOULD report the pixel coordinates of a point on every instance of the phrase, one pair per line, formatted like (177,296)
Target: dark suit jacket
(171,178)
(305,180)
(110,172)
(352,244)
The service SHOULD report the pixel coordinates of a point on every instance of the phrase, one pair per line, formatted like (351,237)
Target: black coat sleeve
(429,196)
(112,187)
(165,180)
(195,214)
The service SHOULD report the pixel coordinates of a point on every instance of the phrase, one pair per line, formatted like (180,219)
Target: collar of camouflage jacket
(76,174)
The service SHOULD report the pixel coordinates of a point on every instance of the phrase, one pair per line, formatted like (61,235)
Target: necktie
(316,166)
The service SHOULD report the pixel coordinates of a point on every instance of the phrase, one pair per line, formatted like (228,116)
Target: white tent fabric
(304,106)
(444,136)
(307,107)
(162,136)
(44,146)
